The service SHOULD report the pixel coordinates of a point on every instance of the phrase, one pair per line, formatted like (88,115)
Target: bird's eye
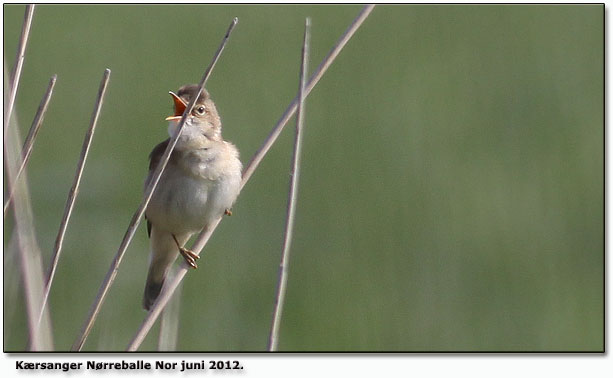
(200,110)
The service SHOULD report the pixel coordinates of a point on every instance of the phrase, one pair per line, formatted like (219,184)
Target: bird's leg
(228,212)
(189,256)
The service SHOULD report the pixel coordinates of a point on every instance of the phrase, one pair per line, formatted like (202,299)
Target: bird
(200,184)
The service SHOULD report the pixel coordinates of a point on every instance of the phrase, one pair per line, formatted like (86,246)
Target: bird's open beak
(180,106)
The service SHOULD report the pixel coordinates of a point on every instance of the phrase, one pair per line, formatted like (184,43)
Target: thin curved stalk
(28,145)
(273,340)
(26,249)
(169,325)
(74,189)
(21,55)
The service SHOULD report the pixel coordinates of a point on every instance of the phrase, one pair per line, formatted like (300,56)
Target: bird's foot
(189,256)
(228,212)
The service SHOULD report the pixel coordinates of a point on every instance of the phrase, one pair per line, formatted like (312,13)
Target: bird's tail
(153,287)
(164,251)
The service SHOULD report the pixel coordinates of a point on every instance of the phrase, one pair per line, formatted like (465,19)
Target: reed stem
(28,145)
(273,340)
(74,189)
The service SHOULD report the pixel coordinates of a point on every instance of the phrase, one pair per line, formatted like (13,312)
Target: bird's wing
(156,155)
(148,227)
(154,159)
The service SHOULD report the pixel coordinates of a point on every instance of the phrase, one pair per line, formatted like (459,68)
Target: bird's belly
(180,203)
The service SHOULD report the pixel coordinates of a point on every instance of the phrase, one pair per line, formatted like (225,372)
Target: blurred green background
(451,196)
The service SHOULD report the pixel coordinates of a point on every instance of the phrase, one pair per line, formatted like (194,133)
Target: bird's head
(202,122)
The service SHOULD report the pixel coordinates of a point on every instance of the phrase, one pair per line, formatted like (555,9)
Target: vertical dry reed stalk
(74,189)
(27,251)
(29,256)
(28,145)
(169,325)
(273,340)
(204,236)
(17,68)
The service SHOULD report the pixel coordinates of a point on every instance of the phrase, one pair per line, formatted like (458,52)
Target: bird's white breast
(197,189)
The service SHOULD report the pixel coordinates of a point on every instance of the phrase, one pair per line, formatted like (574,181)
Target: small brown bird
(200,184)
